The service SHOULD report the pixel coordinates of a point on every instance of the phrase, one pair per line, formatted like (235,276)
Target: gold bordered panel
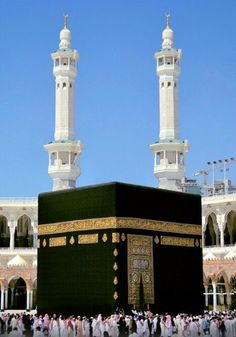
(115,237)
(140,268)
(87,238)
(176,241)
(116,223)
(57,242)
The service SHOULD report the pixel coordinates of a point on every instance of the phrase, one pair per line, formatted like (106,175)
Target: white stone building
(18,252)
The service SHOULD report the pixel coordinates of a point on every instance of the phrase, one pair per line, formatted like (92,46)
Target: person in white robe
(54,329)
(14,333)
(214,331)
(38,332)
(168,325)
(233,327)
(96,326)
(139,324)
(62,327)
(85,327)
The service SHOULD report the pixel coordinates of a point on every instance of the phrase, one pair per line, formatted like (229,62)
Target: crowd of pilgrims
(138,324)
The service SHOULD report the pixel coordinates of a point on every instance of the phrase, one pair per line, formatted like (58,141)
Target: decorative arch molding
(211,234)
(211,278)
(223,275)
(5,215)
(3,284)
(24,232)
(16,277)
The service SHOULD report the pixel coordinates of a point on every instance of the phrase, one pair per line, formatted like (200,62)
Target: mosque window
(57,61)
(176,61)
(169,84)
(175,85)
(160,61)
(58,85)
(64,85)
(162,84)
(169,60)
(64,61)
(72,61)
(70,85)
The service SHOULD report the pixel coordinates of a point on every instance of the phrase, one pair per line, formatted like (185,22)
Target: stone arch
(222,275)
(4,232)
(230,228)
(209,290)
(211,234)
(24,232)
(17,292)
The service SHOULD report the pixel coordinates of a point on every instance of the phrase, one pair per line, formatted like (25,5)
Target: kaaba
(119,245)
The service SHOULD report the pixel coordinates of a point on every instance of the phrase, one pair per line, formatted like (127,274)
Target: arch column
(228,298)
(203,230)
(6,299)
(31,299)
(206,296)
(214,296)
(221,224)
(12,297)
(28,299)
(12,228)
(217,232)
(2,298)
(34,225)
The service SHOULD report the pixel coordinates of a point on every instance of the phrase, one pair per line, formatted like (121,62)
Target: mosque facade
(19,216)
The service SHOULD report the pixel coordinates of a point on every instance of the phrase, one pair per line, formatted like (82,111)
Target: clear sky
(116,99)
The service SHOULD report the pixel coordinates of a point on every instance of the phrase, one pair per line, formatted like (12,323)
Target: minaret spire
(64,151)
(167,21)
(65,21)
(169,151)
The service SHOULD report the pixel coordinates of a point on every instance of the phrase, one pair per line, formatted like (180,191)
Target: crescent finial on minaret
(167,20)
(65,20)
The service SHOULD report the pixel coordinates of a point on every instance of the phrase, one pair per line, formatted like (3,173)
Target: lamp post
(213,163)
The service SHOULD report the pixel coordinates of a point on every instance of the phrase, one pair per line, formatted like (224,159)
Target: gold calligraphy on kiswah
(87,238)
(57,242)
(119,223)
(176,241)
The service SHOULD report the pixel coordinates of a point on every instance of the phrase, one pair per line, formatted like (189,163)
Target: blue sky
(117,105)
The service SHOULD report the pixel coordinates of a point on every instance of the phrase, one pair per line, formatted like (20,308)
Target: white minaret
(169,151)
(64,151)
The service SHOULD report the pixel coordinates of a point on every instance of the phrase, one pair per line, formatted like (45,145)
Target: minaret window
(58,85)
(64,85)
(162,84)
(169,60)
(160,61)
(70,85)
(169,84)
(53,158)
(64,61)
(57,61)
(72,61)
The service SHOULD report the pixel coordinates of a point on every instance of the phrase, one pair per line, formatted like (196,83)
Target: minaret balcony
(168,69)
(63,168)
(66,71)
(168,167)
